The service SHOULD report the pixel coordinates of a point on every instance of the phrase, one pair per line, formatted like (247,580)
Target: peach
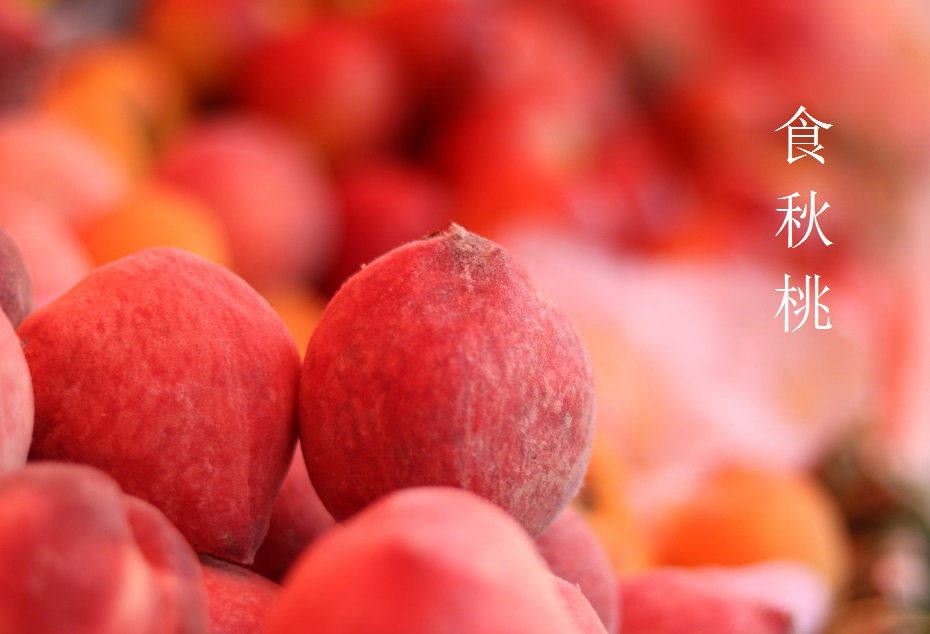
(16,406)
(16,294)
(269,193)
(586,619)
(511,153)
(156,214)
(433,41)
(122,93)
(739,515)
(238,600)
(573,552)
(46,158)
(440,363)
(421,560)
(298,517)
(207,39)
(385,203)
(54,255)
(791,587)
(333,81)
(174,567)
(657,603)
(80,557)
(174,376)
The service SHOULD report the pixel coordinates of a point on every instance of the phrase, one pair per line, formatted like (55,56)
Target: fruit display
(460,317)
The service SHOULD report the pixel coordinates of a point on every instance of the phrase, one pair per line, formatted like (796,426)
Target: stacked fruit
(190,188)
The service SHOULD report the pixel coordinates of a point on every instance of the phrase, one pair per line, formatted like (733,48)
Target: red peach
(433,41)
(174,376)
(513,153)
(80,557)
(238,599)
(269,193)
(298,517)
(418,561)
(441,363)
(54,255)
(173,564)
(16,294)
(791,587)
(333,81)
(658,603)
(207,39)
(574,553)
(45,158)
(384,204)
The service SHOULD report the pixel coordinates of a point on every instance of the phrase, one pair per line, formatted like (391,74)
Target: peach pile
(426,316)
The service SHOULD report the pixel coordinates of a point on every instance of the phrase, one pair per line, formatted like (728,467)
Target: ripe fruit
(47,159)
(422,560)
(441,363)
(656,602)
(207,39)
(333,81)
(741,515)
(269,193)
(385,203)
(789,587)
(174,376)
(123,94)
(173,563)
(79,556)
(157,215)
(54,255)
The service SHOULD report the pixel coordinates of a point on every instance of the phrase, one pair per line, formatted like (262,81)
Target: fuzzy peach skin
(440,363)
(79,557)
(175,377)
(422,560)
(16,403)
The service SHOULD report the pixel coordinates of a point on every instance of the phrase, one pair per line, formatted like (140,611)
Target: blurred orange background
(626,151)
